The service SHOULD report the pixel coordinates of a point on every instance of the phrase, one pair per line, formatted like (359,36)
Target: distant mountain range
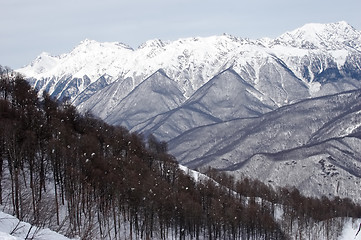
(272,109)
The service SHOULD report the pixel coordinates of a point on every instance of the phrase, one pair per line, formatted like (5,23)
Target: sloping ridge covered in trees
(84,178)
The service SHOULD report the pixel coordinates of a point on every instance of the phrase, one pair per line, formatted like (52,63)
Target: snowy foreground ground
(350,231)
(13,229)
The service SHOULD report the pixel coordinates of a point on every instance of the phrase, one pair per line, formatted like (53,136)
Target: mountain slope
(301,120)
(158,93)
(226,96)
(292,145)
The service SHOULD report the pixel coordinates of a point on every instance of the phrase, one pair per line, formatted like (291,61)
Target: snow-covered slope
(12,228)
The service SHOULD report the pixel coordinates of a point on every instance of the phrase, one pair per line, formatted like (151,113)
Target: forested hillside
(84,178)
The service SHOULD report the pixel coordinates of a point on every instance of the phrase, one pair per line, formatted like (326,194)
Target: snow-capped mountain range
(310,54)
(209,92)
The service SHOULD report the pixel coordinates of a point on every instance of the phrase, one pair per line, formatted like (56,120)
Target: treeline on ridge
(82,177)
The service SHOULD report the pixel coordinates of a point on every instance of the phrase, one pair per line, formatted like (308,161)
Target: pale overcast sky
(29,27)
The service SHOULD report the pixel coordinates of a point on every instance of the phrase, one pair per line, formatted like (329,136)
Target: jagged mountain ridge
(314,60)
(192,62)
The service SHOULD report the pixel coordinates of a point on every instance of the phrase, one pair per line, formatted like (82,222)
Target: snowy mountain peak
(330,36)
(88,45)
(155,43)
(43,58)
(89,58)
(42,63)
(340,29)
(87,41)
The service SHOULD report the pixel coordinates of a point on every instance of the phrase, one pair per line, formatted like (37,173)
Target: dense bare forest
(82,177)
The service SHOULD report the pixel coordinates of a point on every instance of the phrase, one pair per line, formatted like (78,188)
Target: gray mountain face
(232,95)
(301,145)
(251,107)
(156,94)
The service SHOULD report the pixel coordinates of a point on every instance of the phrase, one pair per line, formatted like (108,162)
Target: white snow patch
(314,87)
(5,236)
(12,228)
(340,57)
(351,129)
(194,174)
(350,229)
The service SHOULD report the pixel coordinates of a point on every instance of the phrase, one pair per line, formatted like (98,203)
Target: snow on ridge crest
(330,36)
(41,64)
(191,62)
(154,43)
(89,42)
(90,58)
